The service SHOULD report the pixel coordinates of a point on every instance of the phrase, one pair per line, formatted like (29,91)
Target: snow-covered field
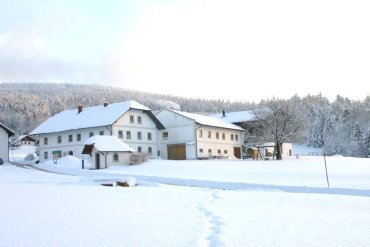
(189,203)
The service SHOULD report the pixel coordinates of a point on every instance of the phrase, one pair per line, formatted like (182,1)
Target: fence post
(326,170)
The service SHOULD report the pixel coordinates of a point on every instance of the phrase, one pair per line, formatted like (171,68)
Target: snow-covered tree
(281,121)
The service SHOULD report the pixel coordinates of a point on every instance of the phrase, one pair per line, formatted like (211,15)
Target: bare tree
(280,121)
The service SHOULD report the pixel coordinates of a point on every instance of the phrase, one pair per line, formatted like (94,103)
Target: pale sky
(236,50)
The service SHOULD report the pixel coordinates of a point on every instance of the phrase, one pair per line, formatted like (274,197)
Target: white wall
(181,130)
(4,146)
(123,159)
(146,126)
(66,146)
(224,145)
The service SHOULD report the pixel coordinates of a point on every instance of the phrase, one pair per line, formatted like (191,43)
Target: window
(200,133)
(139,149)
(70,153)
(59,139)
(225,151)
(128,134)
(150,151)
(120,134)
(139,119)
(115,157)
(46,155)
(131,119)
(217,135)
(78,137)
(232,137)
(70,138)
(201,150)
(210,151)
(45,141)
(165,135)
(139,135)
(209,134)
(149,136)
(236,137)
(223,136)
(101,132)
(219,151)
(91,134)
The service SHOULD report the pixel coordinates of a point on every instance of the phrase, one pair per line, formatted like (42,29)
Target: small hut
(106,151)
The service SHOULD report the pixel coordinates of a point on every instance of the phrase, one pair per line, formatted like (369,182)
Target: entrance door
(97,161)
(237,152)
(176,152)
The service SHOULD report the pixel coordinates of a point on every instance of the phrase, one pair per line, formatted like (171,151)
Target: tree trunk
(278,151)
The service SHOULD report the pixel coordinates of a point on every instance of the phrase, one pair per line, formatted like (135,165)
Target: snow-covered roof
(209,121)
(108,144)
(27,137)
(89,117)
(236,117)
(10,132)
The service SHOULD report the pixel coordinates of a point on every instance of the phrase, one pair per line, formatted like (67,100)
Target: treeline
(339,127)
(25,105)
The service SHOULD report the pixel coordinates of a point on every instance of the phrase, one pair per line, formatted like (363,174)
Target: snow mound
(67,161)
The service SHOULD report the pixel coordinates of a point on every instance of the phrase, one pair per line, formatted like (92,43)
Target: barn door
(176,152)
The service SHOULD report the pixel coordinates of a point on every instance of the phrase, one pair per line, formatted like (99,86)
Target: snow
(236,117)
(108,143)
(208,121)
(19,154)
(214,203)
(303,149)
(89,117)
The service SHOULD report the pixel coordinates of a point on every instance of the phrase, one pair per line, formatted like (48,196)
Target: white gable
(89,117)
(108,143)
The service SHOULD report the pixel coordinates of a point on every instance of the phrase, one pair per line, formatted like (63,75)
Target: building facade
(193,136)
(5,133)
(65,133)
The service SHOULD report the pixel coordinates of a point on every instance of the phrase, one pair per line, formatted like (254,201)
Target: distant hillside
(24,105)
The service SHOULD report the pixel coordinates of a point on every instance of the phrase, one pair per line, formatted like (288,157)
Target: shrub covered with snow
(138,158)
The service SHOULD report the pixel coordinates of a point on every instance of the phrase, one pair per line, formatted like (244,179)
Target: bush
(138,158)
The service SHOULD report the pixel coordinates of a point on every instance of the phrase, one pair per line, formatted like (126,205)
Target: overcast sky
(237,50)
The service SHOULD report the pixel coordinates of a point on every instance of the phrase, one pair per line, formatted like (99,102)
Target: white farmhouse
(64,133)
(193,136)
(5,133)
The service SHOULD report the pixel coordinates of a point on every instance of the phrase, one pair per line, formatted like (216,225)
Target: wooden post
(326,170)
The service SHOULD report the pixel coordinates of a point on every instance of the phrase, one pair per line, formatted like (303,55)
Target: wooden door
(237,153)
(176,152)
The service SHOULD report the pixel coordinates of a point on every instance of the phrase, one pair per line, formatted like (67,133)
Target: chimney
(223,113)
(106,104)
(79,109)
